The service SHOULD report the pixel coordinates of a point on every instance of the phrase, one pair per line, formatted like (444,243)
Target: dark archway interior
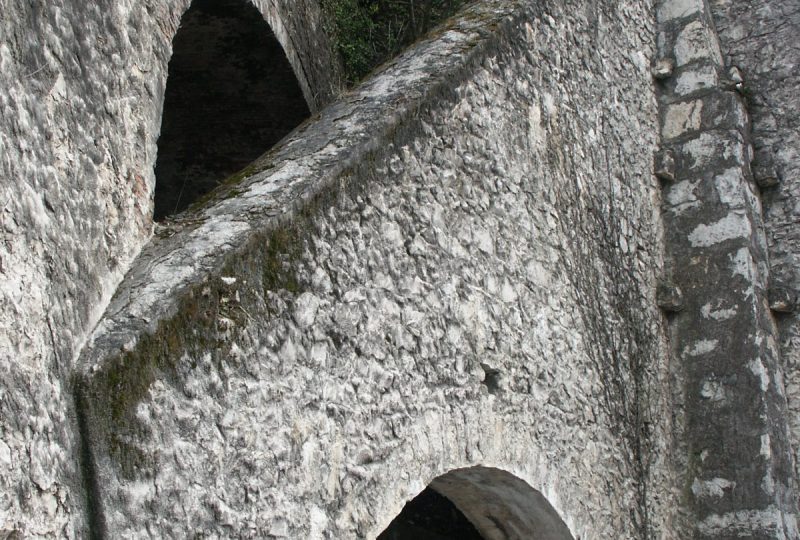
(430,516)
(231,95)
(478,503)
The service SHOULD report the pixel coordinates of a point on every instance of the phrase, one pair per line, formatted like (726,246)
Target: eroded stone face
(445,298)
(454,265)
(79,118)
(725,339)
(761,41)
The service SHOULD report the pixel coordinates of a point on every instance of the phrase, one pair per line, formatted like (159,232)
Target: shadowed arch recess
(478,503)
(231,94)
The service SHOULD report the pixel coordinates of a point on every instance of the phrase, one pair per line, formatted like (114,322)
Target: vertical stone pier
(738,462)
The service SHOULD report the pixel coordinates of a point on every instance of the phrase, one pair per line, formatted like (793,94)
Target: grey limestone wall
(455,265)
(761,41)
(79,119)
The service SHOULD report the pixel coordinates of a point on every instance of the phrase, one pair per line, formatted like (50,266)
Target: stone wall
(455,265)
(760,40)
(79,119)
(737,459)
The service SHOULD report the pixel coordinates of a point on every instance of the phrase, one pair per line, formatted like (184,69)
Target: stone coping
(196,243)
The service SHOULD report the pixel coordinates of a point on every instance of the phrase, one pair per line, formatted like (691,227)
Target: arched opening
(430,516)
(478,503)
(231,95)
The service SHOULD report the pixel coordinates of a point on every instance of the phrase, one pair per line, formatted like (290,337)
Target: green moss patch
(209,318)
(124,381)
(228,187)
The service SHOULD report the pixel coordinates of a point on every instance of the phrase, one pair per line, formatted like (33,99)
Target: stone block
(697,42)
(682,118)
(670,10)
(782,299)
(713,110)
(663,68)
(696,78)
(664,165)
(669,297)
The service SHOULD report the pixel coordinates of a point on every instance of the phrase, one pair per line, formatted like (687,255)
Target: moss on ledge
(270,260)
(209,318)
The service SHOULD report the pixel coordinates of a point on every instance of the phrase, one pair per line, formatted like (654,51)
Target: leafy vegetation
(370,32)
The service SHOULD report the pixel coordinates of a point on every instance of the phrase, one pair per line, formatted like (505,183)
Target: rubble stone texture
(525,261)
(353,342)
(80,110)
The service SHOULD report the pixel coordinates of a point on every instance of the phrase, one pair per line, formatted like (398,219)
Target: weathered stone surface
(669,297)
(738,461)
(663,68)
(760,39)
(448,296)
(678,9)
(664,166)
(79,118)
(765,170)
(453,267)
(782,299)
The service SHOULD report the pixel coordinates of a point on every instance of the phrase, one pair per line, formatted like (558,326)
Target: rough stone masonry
(531,248)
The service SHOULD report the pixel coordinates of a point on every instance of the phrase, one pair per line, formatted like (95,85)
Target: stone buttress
(739,473)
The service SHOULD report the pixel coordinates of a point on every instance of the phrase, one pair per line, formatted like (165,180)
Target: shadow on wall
(231,95)
(478,503)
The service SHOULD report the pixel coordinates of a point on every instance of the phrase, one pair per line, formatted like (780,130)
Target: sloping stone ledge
(281,182)
(480,234)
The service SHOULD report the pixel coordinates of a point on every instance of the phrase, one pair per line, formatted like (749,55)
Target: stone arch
(231,94)
(478,503)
